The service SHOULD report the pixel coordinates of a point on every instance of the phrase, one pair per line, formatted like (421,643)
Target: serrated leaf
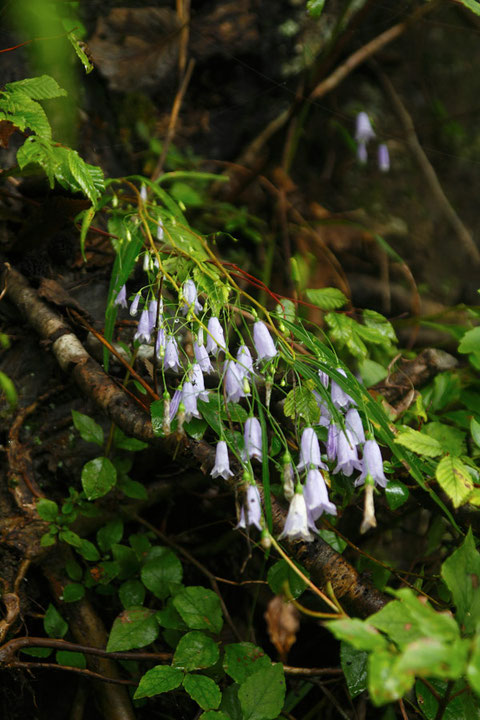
(472,5)
(262,694)
(419,443)
(454,479)
(301,402)
(78,46)
(195,651)
(326,298)
(161,571)
(203,690)
(244,659)
(43,87)
(461,573)
(379,323)
(88,429)
(200,608)
(159,679)
(470,342)
(98,477)
(451,439)
(133,628)
(475,430)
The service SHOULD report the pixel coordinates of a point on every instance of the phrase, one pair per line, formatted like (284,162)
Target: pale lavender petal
(383,158)
(363,129)
(215,338)
(144,329)
(296,524)
(222,465)
(134,305)
(198,382)
(316,495)
(189,399)
(202,358)
(310,451)
(121,298)
(372,464)
(353,423)
(171,359)
(245,361)
(253,438)
(233,382)
(263,342)
(340,399)
(347,456)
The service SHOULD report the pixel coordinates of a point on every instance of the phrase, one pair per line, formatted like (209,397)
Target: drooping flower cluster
(346,451)
(363,134)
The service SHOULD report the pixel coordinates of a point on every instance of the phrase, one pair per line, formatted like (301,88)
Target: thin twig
(173,119)
(413,143)
(86,673)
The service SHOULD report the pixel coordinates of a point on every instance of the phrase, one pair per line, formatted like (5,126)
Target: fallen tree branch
(324,564)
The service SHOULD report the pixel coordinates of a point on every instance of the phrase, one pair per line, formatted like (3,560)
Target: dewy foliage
(290,391)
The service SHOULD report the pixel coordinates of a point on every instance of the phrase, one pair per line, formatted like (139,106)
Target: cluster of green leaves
(20,106)
(409,641)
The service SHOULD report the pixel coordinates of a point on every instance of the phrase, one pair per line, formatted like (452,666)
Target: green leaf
(53,623)
(230,703)
(71,659)
(358,633)
(461,574)
(98,477)
(371,372)
(159,679)
(462,706)
(430,657)
(132,488)
(301,402)
(200,608)
(131,593)
(88,550)
(419,443)
(470,342)
(333,539)
(161,571)
(47,509)
(186,194)
(195,651)
(472,5)
(385,683)
(454,478)
(40,652)
(354,666)
(450,438)
(344,331)
(475,430)
(262,694)
(281,573)
(127,560)
(326,298)
(315,7)
(110,534)
(195,428)
(420,614)
(473,668)
(378,322)
(42,87)
(123,442)
(244,659)
(203,690)
(70,537)
(73,592)
(8,388)
(133,628)
(169,618)
(214,715)
(88,429)
(396,494)
(81,54)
